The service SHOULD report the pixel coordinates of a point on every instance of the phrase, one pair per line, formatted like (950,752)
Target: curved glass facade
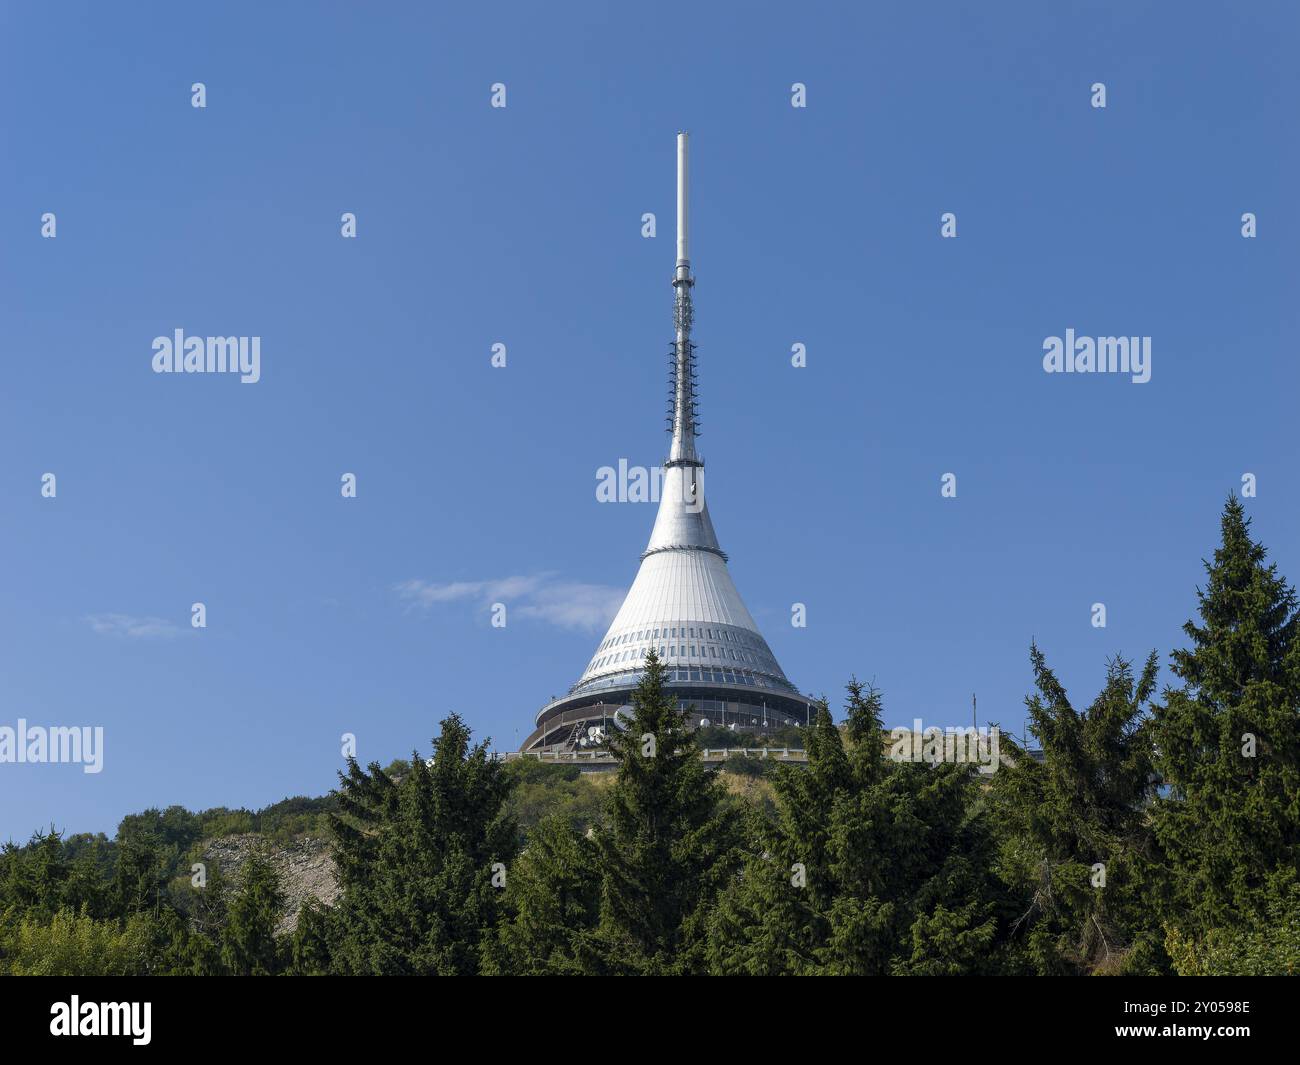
(562,723)
(687,675)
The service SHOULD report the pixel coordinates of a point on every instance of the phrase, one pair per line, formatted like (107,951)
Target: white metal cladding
(685,605)
(683,519)
(681,586)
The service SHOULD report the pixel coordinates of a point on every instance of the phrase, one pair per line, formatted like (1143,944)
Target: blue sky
(523,226)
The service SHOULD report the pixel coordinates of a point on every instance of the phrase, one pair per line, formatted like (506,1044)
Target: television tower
(683,602)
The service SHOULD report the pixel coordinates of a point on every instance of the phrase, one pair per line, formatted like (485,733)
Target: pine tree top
(1249,619)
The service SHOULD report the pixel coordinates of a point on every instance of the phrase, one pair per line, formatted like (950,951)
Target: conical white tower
(683,602)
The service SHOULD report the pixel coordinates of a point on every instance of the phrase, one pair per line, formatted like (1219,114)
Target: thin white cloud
(571,605)
(426,593)
(133,628)
(565,604)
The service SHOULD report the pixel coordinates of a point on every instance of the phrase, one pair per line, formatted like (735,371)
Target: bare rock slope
(305,866)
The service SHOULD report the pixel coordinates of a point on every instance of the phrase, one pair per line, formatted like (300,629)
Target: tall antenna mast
(684,414)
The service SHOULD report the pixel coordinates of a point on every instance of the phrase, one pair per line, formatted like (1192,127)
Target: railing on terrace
(709,754)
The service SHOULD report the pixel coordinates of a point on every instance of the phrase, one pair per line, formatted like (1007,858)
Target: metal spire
(683,521)
(682,379)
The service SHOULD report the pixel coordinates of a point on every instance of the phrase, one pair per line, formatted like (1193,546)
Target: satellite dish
(622,717)
(704,722)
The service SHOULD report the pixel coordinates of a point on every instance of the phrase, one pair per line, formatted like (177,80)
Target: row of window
(687,631)
(701,676)
(746,648)
(673,650)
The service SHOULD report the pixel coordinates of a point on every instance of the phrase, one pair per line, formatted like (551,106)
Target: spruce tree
(873,866)
(553,896)
(415,857)
(666,846)
(1077,838)
(771,918)
(37,879)
(86,889)
(314,942)
(140,879)
(206,913)
(1228,742)
(248,942)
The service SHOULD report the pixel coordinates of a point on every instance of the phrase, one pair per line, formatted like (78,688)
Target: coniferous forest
(1155,830)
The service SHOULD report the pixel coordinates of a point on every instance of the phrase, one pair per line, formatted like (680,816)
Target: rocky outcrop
(305,866)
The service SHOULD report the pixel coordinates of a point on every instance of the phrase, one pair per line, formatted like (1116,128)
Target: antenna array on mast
(683,416)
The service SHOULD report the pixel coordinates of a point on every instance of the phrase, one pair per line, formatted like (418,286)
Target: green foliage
(279,822)
(1269,948)
(415,858)
(1230,823)
(222,822)
(314,941)
(850,864)
(715,737)
(173,829)
(553,898)
(248,943)
(70,944)
(49,875)
(546,789)
(744,766)
(665,848)
(873,866)
(1078,816)
(143,869)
